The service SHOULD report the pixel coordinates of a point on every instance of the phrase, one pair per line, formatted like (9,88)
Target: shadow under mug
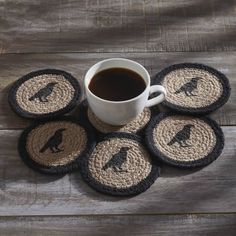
(121,112)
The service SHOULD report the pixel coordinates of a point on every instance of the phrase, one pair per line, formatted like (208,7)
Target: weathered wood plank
(178,225)
(24,192)
(14,66)
(117,26)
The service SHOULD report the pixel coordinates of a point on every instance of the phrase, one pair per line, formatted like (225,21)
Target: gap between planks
(122,214)
(110,52)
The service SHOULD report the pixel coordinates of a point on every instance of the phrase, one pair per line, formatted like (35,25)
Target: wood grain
(73,35)
(24,192)
(178,225)
(14,66)
(117,26)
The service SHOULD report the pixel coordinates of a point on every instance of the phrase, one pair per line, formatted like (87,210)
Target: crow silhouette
(43,93)
(182,136)
(54,142)
(117,160)
(189,87)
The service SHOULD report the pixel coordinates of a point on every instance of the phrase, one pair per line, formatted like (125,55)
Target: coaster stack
(120,160)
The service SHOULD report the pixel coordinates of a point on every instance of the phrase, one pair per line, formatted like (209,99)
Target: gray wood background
(72,35)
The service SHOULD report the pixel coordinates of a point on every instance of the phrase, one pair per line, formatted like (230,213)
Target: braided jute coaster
(184,141)
(44,93)
(193,88)
(135,126)
(56,146)
(120,165)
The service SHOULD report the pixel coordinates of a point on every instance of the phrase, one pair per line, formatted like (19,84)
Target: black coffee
(117,84)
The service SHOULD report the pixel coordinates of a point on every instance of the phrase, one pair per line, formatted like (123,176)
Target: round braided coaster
(120,165)
(184,141)
(56,146)
(193,88)
(44,93)
(136,125)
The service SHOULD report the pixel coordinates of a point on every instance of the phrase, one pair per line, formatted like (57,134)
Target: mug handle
(160,98)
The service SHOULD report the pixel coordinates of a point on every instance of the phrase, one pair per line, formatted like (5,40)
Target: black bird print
(189,87)
(117,160)
(54,142)
(43,93)
(182,136)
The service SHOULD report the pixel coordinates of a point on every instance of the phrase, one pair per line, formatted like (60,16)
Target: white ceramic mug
(121,112)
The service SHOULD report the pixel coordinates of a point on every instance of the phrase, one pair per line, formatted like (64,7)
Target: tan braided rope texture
(209,89)
(61,95)
(136,168)
(137,124)
(74,141)
(201,142)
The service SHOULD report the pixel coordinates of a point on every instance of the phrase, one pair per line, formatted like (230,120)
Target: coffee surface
(117,84)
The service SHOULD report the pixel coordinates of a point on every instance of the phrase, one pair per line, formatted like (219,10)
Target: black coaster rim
(75,164)
(202,110)
(212,156)
(23,113)
(131,191)
(82,116)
